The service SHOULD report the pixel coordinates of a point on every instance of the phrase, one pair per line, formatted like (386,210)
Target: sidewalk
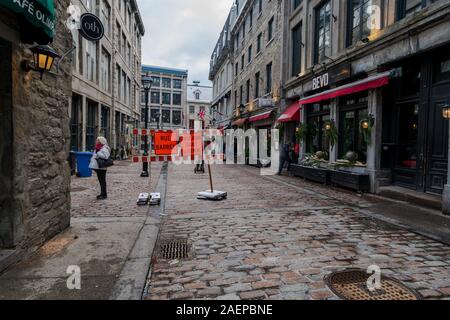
(104,239)
(418,219)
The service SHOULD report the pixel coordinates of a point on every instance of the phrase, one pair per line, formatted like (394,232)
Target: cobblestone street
(279,237)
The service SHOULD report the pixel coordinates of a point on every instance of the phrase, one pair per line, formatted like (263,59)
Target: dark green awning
(39,15)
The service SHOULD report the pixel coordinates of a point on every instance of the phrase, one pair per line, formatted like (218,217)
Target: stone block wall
(41,139)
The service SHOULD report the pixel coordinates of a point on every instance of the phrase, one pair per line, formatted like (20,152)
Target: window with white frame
(105,70)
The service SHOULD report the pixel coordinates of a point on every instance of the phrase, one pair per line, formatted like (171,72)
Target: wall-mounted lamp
(365,124)
(328,126)
(368,123)
(43,59)
(446,112)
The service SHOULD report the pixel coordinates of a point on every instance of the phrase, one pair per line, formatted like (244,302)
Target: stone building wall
(271,51)
(40,119)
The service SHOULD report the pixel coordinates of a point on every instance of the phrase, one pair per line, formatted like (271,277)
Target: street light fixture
(43,59)
(147,85)
(446,112)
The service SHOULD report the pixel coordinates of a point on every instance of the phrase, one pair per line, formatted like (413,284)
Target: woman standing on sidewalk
(102,152)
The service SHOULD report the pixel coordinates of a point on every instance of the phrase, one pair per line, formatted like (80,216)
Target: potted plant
(311,169)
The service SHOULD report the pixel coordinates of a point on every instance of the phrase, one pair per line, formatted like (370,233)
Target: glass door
(407,162)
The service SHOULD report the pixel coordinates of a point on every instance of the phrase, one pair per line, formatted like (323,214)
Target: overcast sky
(182,33)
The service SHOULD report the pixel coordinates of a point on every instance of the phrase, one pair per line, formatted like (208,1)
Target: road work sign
(164,145)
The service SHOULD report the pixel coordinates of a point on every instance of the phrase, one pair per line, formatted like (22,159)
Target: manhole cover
(174,249)
(352,285)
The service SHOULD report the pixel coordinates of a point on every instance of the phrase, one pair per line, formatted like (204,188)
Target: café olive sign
(91,28)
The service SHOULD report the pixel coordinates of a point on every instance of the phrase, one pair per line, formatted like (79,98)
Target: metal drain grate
(174,249)
(352,285)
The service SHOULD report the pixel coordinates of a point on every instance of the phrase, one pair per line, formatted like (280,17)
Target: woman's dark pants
(101,175)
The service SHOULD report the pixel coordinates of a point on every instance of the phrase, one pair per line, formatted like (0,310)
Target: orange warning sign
(164,146)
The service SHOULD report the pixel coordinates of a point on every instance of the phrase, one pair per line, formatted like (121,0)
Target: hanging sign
(91,28)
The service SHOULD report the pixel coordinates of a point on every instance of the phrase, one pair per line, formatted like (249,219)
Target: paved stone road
(272,240)
(123,184)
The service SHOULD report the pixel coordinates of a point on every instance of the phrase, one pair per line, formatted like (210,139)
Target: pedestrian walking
(285,157)
(101,156)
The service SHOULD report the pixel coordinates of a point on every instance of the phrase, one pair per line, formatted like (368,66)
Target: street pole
(160,116)
(147,86)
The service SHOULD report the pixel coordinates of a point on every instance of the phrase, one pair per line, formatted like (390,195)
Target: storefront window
(166,82)
(353,111)
(166,116)
(176,117)
(442,69)
(318,115)
(155,97)
(156,82)
(154,117)
(409,83)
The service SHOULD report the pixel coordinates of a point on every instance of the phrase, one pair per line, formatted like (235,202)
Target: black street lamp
(147,85)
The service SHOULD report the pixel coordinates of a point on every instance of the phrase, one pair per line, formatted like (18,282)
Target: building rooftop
(164,70)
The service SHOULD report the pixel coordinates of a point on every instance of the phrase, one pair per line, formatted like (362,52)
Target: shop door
(437,149)
(408,157)
(6,150)
(438,128)
(423,133)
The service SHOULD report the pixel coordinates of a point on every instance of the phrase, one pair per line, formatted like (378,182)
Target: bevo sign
(321,81)
(332,76)
(91,28)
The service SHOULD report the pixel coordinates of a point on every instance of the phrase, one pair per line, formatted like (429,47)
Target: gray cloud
(182,33)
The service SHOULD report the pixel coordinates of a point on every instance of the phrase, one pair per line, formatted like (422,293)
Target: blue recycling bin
(83,161)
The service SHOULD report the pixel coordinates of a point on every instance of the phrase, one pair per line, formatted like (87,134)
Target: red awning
(240,122)
(377,81)
(262,116)
(291,114)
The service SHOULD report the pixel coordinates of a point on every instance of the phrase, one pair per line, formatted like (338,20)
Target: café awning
(291,114)
(36,18)
(373,82)
(262,116)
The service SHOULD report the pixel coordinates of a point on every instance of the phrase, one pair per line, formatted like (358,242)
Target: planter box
(354,181)
(297,170)
(309,173)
